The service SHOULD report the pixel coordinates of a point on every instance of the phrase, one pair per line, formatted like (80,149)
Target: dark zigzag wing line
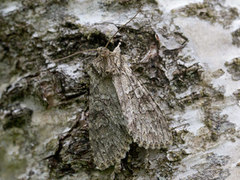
(146,122)
(107,129)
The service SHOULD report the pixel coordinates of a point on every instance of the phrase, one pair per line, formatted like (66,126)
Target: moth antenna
(74,54)
(123,26)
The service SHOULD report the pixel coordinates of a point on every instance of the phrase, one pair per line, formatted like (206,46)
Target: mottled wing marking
(146,122)
(108,135)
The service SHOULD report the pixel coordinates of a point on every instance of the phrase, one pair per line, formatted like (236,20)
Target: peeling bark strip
(120,106)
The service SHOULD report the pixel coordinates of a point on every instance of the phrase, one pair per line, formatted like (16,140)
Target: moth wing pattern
(107,129)
(146,122)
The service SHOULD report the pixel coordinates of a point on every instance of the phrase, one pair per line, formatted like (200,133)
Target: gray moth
(121,111)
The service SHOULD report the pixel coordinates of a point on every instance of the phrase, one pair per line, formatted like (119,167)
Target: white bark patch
(175,4)
(213,47)
(8,7)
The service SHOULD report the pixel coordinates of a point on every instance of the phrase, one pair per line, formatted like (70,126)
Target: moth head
(103,63)
(103,51)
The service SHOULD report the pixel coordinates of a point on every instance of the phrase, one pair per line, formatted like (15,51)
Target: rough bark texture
(154,110)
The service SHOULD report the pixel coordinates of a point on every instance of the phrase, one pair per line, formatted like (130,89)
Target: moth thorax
(104,64)
(103,52)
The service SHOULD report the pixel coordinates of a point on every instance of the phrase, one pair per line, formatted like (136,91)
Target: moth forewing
(108,134)
(146,122)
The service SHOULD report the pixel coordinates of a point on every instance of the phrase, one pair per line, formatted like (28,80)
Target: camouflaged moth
(121,110)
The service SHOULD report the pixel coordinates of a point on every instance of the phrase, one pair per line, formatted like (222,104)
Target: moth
(121,110)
